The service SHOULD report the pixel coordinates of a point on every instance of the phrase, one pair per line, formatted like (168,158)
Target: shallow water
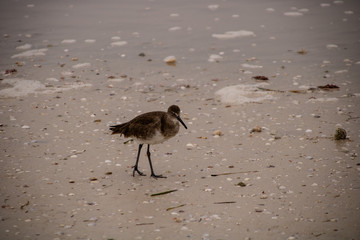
(111,35)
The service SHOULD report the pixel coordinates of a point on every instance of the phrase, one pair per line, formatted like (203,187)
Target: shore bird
(151,128)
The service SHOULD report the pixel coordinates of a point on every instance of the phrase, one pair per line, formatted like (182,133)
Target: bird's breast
(156,138)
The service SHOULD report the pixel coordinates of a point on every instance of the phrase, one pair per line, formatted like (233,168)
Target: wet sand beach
(262,87)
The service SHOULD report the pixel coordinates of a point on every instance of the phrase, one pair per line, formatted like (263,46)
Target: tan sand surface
(258,160)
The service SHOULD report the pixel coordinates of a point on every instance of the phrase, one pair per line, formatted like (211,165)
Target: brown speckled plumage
(151,128)
(144,126)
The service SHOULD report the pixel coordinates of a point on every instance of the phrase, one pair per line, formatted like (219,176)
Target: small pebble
(189,146)
(273,132)
(256,129)
(217,133)
(241,184)
(263,196)
(170,60)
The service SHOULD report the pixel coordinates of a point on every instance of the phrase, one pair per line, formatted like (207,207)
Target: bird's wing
(144,125)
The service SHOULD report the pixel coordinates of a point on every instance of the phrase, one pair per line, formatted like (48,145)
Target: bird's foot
(157,176)
(137,170)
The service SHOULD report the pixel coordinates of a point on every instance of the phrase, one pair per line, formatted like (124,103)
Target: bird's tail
(118,129)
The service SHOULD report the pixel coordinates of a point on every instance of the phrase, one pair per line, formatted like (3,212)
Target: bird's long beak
(181,121)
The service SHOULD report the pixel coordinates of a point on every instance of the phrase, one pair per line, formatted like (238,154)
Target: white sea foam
(26,46)
(115,38)
(51,79)
(118,43)
(321,100)
(303,10)
(66,87)
(234,34)
(173,29)
(66,73)
(31,53)
(325,4)
(22,87)
(341,71)
(240,94)
(305,87)
(331,46)
(68,41)
(213,7)
(215,58)
(89,40)
(246,65)
(293,14)
(81,65)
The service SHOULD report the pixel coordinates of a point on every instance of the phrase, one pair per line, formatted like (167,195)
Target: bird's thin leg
(152,171)
(137,162)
